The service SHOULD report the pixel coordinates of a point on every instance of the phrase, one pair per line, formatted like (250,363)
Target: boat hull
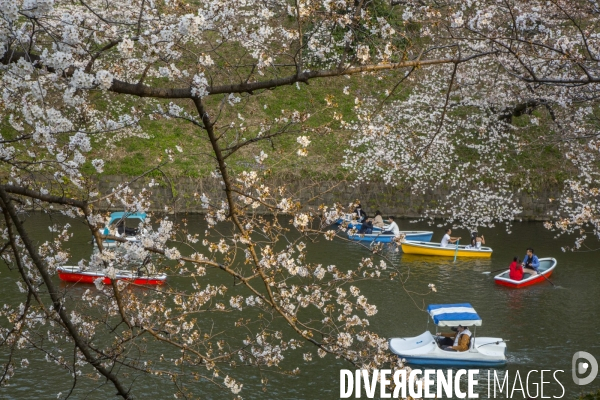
(453,363)
(546,268)
(434,249)
(73,274)
(109,243)
(424,350)
(408,235)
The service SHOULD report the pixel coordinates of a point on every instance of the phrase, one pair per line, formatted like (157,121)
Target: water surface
(544,325)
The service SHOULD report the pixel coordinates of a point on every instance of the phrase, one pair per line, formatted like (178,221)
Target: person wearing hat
(462,339)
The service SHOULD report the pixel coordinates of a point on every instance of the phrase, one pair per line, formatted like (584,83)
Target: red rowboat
(75,274)
(546,268)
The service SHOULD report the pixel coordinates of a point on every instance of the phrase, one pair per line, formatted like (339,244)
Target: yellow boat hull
(410,248)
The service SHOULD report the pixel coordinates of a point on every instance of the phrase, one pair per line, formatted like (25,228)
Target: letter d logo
(583,367)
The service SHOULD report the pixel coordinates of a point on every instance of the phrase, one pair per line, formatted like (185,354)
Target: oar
(456,251)
(548,280)
(374,240)
(496,270)
(381,230)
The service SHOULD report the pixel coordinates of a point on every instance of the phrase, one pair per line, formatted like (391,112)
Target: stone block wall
(179,196)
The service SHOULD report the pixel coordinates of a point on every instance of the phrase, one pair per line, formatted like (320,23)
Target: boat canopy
(126,215)
(454,314)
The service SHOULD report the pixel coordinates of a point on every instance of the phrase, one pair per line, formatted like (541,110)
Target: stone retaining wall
(178,196)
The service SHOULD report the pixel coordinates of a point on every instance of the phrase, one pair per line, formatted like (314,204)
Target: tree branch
(53,292)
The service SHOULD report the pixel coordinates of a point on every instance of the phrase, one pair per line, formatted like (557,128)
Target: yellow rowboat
(436,249)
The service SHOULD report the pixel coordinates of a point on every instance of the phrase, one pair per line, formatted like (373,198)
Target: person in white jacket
(447,240)
(391,228)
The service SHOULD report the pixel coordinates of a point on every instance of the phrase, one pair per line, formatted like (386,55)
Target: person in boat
(366,227)
(459,341)
(391,228)
(477,241)
(446,339)
(447,239)
(360,214)
(122,229)
(516,270)
(378,220)
(531,263)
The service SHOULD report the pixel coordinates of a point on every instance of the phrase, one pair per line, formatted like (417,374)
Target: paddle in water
(548,280)
(496,270)
(456,251)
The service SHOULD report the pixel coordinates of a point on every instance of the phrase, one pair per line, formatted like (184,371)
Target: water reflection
(474,263)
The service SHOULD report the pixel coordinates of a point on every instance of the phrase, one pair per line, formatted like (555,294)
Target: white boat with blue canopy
(426,350)
(378,237)
(125,225)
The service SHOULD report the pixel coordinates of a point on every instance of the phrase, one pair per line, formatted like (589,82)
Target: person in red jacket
(516,270)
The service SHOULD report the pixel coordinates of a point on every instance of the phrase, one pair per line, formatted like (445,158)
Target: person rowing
(531,263)
(447,239)
(391,228)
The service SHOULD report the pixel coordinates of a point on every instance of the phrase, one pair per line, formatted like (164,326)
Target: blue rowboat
(351,219)
(358,225)
(380,238)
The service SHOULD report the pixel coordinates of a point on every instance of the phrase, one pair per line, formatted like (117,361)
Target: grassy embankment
(134,156)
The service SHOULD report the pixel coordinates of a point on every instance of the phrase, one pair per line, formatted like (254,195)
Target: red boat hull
(538,279)
(85,278)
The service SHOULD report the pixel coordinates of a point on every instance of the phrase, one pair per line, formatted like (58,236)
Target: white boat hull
(423,350)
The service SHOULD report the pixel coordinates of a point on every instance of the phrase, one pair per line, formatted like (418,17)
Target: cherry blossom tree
(81,76)
(78,76)
(456,128)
